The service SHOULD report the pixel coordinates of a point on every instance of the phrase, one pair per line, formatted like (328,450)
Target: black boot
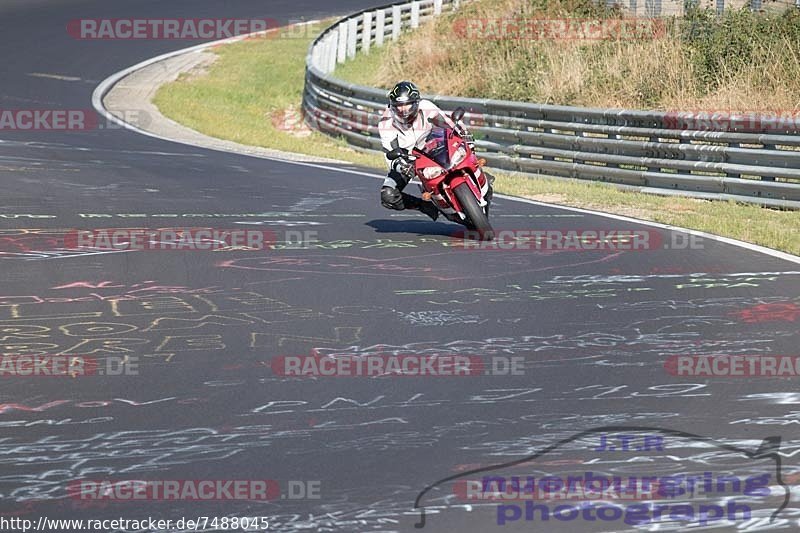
(429,209)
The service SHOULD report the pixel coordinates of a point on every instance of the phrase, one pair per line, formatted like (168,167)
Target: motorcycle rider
(405,123)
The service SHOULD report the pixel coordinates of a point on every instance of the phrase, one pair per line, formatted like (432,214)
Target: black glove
(465,134)
(403,166)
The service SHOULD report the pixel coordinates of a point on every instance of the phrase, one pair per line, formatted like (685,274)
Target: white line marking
(634,278)
(53,76)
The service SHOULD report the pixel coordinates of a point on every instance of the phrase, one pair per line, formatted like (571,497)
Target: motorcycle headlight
(432,172)
(458,156)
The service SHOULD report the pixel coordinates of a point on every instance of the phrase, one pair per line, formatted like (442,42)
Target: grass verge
(255,81)
(251,95)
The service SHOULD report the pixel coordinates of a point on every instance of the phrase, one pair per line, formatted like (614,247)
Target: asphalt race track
(591,332)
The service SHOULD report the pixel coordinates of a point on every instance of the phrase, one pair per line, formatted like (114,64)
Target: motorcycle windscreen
(435,147)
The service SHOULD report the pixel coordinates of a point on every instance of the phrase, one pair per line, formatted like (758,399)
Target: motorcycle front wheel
(475,214)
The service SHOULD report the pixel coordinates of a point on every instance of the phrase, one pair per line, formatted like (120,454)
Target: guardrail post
(341,46)
(332,42)
(321,58)
(396,21)
(652,8)
(352,34)
(437,7)
(366,32)
(414,15)
(327,51)
(380,26)
(316,55)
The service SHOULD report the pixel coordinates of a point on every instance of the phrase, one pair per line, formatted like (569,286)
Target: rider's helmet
(404,102)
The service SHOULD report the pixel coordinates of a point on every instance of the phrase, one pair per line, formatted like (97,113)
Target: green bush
(720,46)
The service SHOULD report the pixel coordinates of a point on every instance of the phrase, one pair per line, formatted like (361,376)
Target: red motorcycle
(451,177)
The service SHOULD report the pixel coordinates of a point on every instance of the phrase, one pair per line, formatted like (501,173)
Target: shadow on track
(420,227)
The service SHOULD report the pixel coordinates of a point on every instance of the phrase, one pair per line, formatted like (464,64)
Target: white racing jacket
(411,136)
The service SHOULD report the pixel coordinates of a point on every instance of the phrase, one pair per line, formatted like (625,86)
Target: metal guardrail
(649,150)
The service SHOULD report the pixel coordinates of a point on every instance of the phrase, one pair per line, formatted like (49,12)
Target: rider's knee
(391,198)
